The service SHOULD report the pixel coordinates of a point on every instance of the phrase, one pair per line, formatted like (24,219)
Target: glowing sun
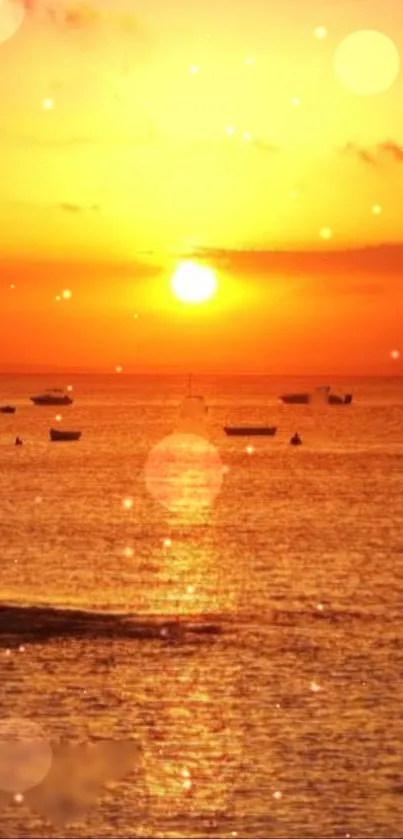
(193,283)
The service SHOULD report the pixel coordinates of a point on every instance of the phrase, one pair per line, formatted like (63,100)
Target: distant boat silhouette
(53,396)
(250,430)
(333,399)
(295,398)
(7,409)
(58,436)
(295,440)
(18,441)
(307,398)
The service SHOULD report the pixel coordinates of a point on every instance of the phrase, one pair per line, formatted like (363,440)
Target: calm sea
(290,722)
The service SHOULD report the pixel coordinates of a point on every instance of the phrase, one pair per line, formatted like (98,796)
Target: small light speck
(18,798)
(315,688)
(295,101)
(320,607)
(187,784)
(249,449)
(325,233)
(119,369)
(127,503)
(278,705)
(66,294)
(395,354)
(128,552)
(320,32)
(230,130)
(12,286)
(193,68)
(246,135)
(69,388)
(21,648)
(38,499)
(167,542)
(190,589)
(48,104)
(377,209)
(58,417)
(277,795)
(58,298)
(250,61)
(135,316)
(8,652)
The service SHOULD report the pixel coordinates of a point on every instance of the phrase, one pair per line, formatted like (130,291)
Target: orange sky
(132,134)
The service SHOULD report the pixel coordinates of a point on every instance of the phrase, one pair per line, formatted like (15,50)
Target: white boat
(53,396)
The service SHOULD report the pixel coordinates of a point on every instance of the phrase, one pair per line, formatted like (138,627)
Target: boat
(250,430)
(193,407)
(296,398)
(57,436)
(54,396)
(7,409)
(323,392)
(333,399)
(296,440)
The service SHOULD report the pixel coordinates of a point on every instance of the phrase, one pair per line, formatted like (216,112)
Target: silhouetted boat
(7,409)
(57,436)
(296,398)
(295,440)
(54,396)
(307,398)
(250,430)
(332,399)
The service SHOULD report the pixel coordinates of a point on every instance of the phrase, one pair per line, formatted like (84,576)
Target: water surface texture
(285,722)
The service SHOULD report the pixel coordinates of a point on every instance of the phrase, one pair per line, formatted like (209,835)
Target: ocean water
(289,723)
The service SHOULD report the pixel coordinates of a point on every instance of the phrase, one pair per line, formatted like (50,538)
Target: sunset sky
(134,134)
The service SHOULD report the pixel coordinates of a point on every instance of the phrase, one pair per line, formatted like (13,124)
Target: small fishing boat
(250,430)
(58,436)
(7,409)
(295,398)
(296,440)
(319,393)
(333,399)
(54,396)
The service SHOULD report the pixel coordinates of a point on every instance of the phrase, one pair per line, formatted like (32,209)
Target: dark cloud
(386,259)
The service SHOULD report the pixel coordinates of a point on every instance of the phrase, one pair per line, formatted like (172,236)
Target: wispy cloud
(264,145)
(384,259)
(79,14)
(78,208)
(374,156)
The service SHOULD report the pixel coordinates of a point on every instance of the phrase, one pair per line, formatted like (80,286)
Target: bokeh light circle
(12,13)
(184,472)
(367,62)
(25,755)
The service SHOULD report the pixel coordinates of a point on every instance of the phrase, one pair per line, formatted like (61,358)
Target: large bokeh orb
(184,472)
